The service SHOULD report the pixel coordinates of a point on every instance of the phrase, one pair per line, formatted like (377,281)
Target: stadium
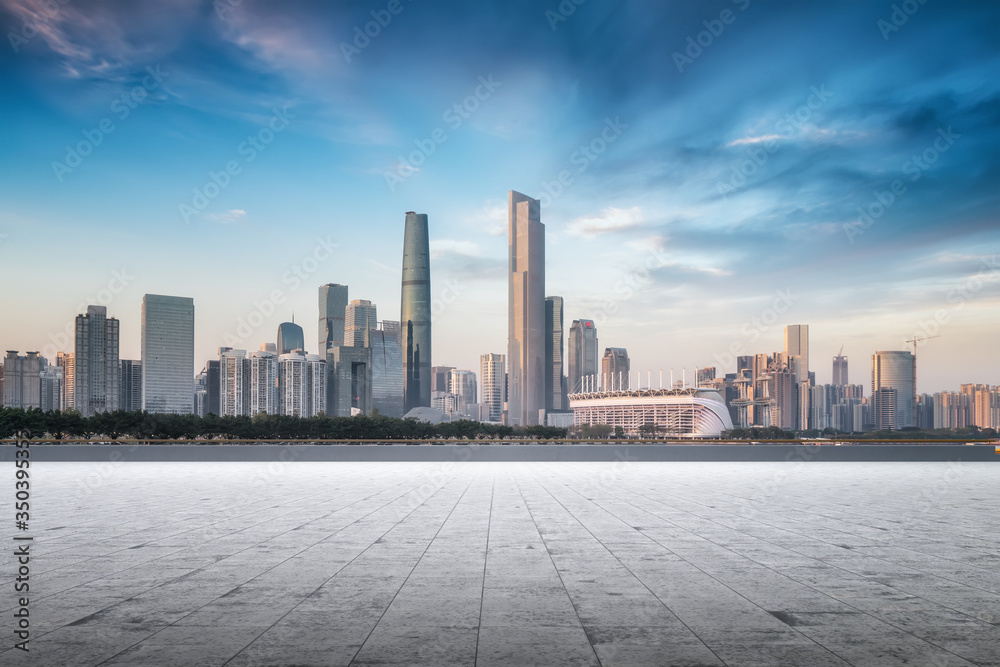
(677,413)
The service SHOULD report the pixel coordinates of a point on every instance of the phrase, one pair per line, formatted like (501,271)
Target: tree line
(144,425)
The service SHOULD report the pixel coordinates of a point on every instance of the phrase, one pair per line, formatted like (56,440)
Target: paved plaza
(241,564)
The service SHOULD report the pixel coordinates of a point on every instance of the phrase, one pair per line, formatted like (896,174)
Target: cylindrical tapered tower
(415,313)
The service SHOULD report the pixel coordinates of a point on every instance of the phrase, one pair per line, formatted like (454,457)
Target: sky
(709,172)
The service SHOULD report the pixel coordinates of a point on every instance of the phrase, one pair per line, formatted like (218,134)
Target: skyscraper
(167,354)
(293,385)
(415,312)
(463,386)
(387,369)
(234,383)
(441,378)
(526,367)
(130,385)
(492,376)
(840,370)
(97,373)
(332,309)
(290,338)
(615,369)
(360,318)
(212,385)
(264,383)
(67,362)
(583,355)
(554,347)
(797,350)
(22,380)
(894,370)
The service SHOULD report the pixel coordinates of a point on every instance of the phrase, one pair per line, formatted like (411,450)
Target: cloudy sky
(709,171)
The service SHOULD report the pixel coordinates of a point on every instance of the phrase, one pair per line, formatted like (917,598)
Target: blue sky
(703,168)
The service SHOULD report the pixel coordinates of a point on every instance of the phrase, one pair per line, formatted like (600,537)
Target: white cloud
(233,215)
(754,140)
(491,217)
(609,220)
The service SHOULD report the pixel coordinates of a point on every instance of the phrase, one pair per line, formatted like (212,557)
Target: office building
(349,380)
(526,368)
(840,370)
(290,338)
(130,385)
(387,369)
(492,376)
(97,373)
(359,320)
(615,369)
(50,383)
(415,312)
(211,372)
(796,354)
(582,356)
(167,354)
(332,311)
(894,370)
(441,378)
(264,382)
(555,384)
(705,376)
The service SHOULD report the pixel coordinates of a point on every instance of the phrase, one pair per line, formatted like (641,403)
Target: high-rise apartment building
(415,312)
(583,356)
(555,384)
(615,369)
(130,385)
(50,381)
(332,311)
(894,370)
(167,354)
(234,383)
(361,318)
(526,367)
(290,338)
(293,385)
(67,362)
(264,383)
(492,376)
(97,373)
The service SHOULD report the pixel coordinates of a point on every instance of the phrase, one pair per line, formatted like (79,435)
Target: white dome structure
(676,413)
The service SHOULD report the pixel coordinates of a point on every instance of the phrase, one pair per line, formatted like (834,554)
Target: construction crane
(917,339)
(841,353)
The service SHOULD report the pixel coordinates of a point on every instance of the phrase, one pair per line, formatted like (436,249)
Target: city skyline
(661,225)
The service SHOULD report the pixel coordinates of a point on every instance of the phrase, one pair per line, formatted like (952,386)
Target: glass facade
(167,354)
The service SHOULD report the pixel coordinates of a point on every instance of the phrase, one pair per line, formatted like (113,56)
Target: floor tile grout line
(415,565)
(629,570)
(576,612)
(258,575)
(801,583)
(486,558)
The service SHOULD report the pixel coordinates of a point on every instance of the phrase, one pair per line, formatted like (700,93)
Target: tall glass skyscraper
(97,373)
(894,370)
(415,313)
(797,350)
(167,354)
(615,369)
(387,369)
(840,370)
(332,310)
(583,363)
(290,338)
(361,317)
(130,385)
(554,348)
(526,368)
